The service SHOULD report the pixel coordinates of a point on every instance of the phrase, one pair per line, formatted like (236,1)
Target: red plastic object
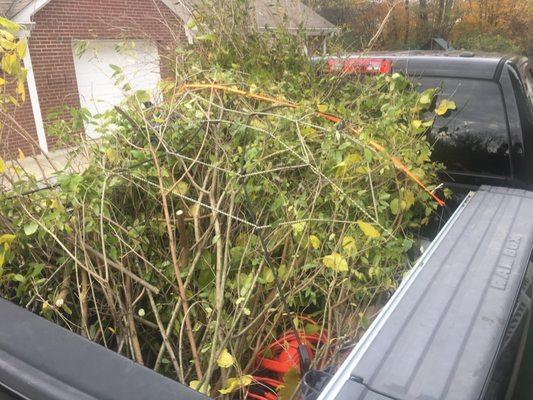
(264,388)
(368,66)
(284,357)
(285,351)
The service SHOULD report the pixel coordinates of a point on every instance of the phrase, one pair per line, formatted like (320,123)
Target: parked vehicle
(457,326)
(489,138)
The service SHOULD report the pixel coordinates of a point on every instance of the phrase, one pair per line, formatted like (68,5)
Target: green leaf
(142,96)
(209,37)
(368,229)
(348,245)
(191,24)
(311,329)
(427,96)
(31,228)
(445,106)
(336,262)
(291,380)
(368,155)
(298,227)
(395,206)
(267,275)
(19,278)
(182,188)
(409,199)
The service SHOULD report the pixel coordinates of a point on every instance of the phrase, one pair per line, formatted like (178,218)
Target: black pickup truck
(456,327)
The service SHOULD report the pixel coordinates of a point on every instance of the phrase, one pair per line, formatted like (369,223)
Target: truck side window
(474,139)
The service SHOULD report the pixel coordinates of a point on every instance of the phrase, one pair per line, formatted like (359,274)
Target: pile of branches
(159,247)
(154,250)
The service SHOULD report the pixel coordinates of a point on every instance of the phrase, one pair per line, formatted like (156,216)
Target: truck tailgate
(440,335)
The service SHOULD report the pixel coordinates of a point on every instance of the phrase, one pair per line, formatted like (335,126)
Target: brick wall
(18,130)
(60,23)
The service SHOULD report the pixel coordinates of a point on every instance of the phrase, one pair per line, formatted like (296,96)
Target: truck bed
(449,323)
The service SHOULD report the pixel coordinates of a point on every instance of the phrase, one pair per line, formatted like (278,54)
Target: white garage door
(96,62)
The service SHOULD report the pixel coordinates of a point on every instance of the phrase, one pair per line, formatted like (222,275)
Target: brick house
(131,34)
(58,77)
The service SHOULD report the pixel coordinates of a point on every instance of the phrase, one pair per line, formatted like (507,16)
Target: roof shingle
(291,14)
(10,8)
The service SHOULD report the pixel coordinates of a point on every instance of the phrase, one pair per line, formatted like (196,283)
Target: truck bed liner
(40,360)
(440,334)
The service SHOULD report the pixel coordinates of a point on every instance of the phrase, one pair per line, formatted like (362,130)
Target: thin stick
(166,342)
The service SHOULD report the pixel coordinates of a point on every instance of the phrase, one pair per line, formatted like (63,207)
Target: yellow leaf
(22,157)
(314,242)
(409,198)
(2,166)
(225,359)
(445,106)
(322,108)
(348,245)
(21,90)
(21,48)
(237,383)
(194,210)
(181,188)
(368,229)
(2,81)
(10,63)
(416,123)
(111,155)
(336,262)
(9,25)
(7,238)
(195,385)
(298,227)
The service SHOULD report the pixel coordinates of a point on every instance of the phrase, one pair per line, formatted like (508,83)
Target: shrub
(487,42)
(156,248)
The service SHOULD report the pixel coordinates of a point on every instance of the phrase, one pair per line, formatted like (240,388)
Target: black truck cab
(488,140)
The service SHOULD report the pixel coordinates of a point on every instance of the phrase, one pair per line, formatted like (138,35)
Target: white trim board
(35,105)
(25,15)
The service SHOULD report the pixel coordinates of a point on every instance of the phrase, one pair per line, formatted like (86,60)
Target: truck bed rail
(40,360)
